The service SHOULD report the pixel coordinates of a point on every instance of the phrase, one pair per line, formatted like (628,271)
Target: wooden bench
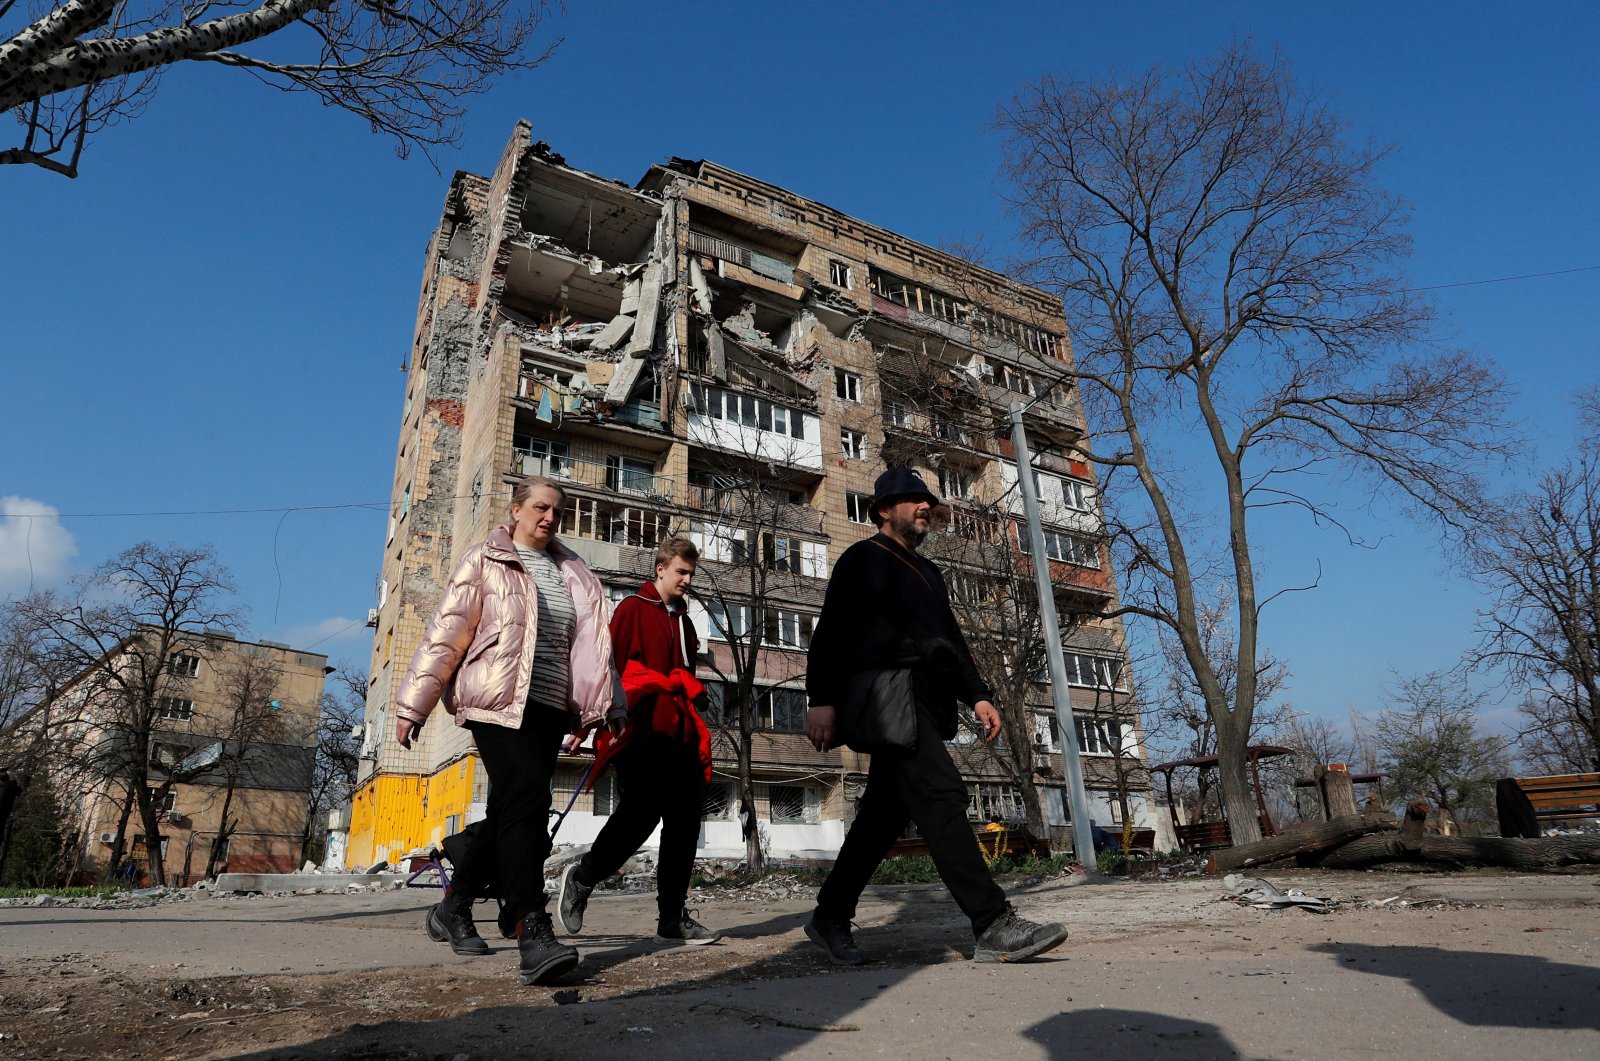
(1528,804)
(1202,836)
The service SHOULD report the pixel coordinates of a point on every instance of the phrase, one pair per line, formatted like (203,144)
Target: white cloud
(339,634)
(34,546)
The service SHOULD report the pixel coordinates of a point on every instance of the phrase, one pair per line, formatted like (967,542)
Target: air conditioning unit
(356,731)
(175,817)
(108,837)
(372,618)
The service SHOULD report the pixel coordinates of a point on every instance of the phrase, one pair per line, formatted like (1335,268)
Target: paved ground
(1461,965)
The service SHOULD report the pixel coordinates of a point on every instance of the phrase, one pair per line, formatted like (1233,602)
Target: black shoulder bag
(879,712)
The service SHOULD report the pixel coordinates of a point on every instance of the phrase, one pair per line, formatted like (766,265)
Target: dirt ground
(93,984)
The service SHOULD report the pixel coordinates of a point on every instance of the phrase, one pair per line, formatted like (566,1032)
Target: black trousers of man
(662,781)
(513,840)
(925,787)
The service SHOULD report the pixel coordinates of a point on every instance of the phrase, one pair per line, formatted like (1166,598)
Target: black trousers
(925,787)
(661,781)
(513,840)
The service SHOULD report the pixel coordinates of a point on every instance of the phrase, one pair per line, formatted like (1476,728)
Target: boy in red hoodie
(663,758)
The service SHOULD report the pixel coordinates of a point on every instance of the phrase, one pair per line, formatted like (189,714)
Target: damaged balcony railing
(628,476)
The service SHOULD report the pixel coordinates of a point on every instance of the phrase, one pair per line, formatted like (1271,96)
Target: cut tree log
(1516,852)
(1302,841)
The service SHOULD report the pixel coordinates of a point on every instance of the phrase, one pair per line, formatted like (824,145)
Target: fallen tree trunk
(1301,841)
(1516,852)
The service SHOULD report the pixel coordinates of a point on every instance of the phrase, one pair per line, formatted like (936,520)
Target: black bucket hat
(897,483)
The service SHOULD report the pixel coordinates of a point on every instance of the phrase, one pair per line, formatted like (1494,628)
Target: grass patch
(916,870)
(98,891)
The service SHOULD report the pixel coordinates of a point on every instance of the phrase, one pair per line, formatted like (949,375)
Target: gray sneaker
(1012,938)
(572,900)
(835,938)
(684,930)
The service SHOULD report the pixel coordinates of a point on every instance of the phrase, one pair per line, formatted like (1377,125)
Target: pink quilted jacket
(477,653)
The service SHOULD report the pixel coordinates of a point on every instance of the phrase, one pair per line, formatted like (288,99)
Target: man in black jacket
(885,605)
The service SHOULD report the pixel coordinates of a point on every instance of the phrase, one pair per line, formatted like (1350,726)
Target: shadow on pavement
(728,1025)
(1482,988)
(1129,1035)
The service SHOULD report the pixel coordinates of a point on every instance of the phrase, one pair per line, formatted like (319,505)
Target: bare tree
(333,772)
(1177,717)
(1224,257)
(118,631)
(1539,552)
(70,68)
(1432,745)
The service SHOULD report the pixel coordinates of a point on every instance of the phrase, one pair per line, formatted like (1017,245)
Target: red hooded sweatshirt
(655,646)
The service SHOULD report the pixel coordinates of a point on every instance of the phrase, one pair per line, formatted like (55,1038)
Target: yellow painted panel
(394,813)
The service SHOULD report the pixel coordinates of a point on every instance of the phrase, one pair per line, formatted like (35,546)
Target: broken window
(988,802)
(174,707)
(718,802)
(954,482)
(788,805)
(542,456)
(853,444)
(184,665)
(163,801)
(838,274)
(896,413)
(846,385)
(747,410)
(788,628)
(858,507)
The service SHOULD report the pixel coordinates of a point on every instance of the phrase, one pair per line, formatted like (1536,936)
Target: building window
(788,628)
(954,482)
(1099,736)
(994,803)
(543,456)
(174,707)
(630,475)
(790,804)
(858,507)
(747,410)
(139,846)
(163,801)
(1059,545)
(718,803)
(782,710)
(846,385)
(1094,672)
(184,665)
(728,621)
(853,444)
(605,794)
(896,413)
(839,274)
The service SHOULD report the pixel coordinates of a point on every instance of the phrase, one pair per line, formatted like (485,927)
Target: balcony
(626,476)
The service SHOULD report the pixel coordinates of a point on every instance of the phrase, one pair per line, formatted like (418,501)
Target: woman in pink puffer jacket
(519,651)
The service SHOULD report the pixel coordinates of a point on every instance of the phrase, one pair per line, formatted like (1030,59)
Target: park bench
(1528,804)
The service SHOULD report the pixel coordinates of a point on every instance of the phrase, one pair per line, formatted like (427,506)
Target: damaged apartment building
(703,354)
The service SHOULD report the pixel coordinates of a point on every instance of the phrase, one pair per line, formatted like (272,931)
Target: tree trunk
(1302,841)
(223,833)
(1516,852)
(152,842)
(1238,795)
(119,846)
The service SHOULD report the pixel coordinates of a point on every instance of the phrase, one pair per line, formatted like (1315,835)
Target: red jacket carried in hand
(655,646)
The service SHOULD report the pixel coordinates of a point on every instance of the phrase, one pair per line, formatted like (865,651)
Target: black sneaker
(572,900)
(451,921)
(835,938)
(684,930)
(543,958)
(1012,938)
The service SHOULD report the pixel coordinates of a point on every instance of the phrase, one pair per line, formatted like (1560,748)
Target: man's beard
(906,528)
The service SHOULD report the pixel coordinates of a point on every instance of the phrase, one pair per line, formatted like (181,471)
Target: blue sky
(213,316)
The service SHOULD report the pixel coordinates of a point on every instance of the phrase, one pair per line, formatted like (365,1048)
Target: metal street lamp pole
(1082,837)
